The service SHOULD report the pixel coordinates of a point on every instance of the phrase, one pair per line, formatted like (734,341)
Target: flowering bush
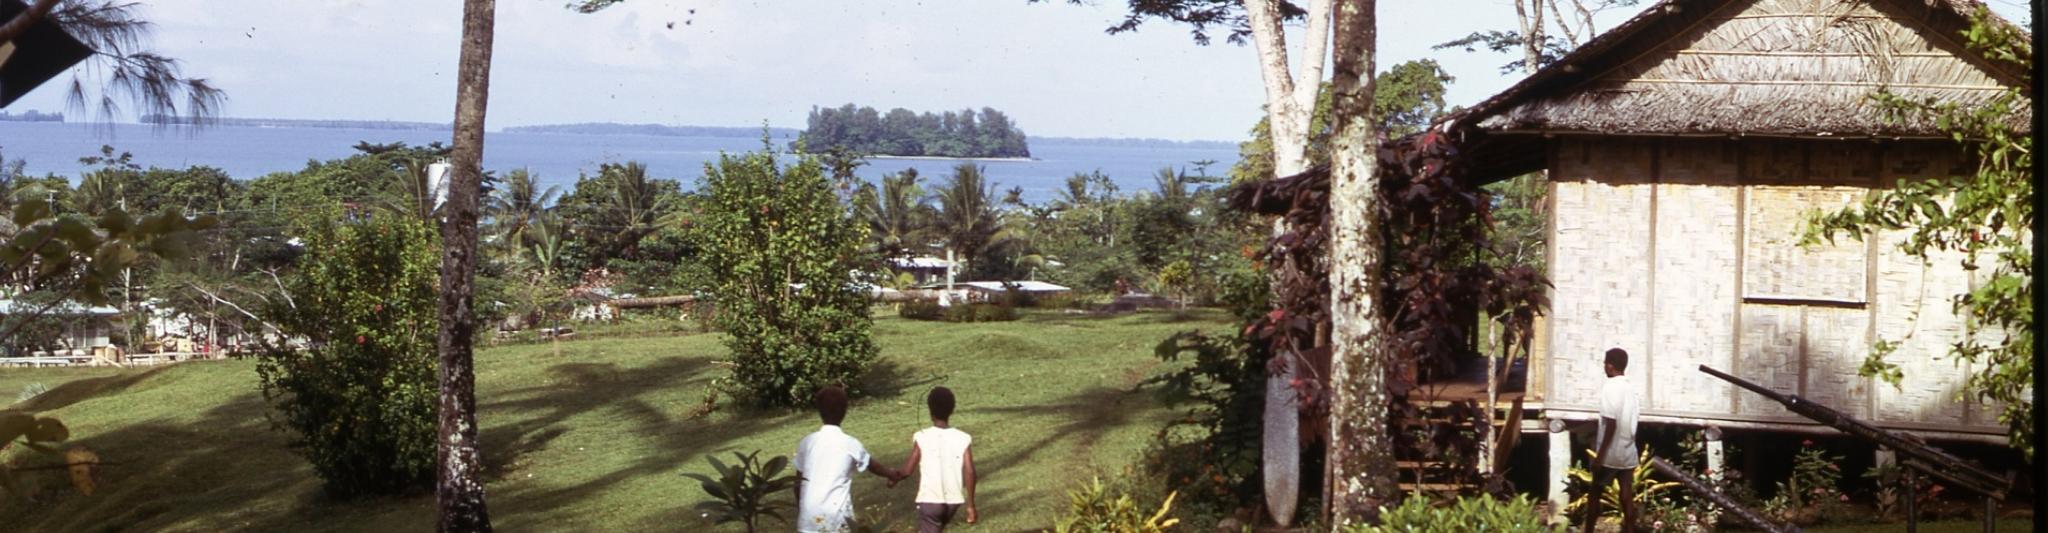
(361,398)
(1814,489)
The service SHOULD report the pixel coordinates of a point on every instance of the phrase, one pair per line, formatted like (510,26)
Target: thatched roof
(1756,67)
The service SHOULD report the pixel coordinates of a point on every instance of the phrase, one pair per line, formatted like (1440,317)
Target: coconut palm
(637,203)
(968,218)
(519,205)
(899,215)
(408,190)
(100,191)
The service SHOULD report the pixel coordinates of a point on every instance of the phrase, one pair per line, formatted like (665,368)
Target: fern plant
(747,491)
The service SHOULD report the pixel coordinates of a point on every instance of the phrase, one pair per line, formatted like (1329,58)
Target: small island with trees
(987,133)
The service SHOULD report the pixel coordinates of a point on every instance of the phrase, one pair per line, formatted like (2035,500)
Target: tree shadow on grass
(85,389)
(578,388)
(1085,416)
(888,379)
(159,474)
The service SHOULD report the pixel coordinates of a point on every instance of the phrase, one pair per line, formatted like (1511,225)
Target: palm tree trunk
(458,489)
(1361,448)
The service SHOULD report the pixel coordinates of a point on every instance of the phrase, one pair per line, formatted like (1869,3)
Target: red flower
(359,339)
(1807,442)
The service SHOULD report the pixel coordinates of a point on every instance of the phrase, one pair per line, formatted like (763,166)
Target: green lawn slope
(592,435)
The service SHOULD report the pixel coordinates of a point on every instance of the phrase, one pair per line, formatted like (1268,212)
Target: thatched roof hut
(1684,150)
(1767,68)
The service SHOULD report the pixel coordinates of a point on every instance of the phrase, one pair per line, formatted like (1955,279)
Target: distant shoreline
(944,158)
(609,128)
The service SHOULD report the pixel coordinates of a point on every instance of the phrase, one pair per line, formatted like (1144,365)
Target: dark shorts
(933,517)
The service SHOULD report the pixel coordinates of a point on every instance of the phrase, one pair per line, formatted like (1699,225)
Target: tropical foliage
(1984,217)
(1419,514)
(360,396)
(747,490)
(1097,508)
(781,256)
(902,132)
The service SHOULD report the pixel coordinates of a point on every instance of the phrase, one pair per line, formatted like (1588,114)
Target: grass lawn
(594,437)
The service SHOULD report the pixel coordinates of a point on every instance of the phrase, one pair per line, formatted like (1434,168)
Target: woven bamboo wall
(1683,251)
(1698,262)
(1601,263)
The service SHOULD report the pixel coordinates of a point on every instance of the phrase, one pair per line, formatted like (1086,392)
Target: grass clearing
(593,438)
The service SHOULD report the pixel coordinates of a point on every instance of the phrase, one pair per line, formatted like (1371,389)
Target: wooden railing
(136,359)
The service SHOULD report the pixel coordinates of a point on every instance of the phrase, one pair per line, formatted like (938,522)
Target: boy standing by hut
(826,462)
(945,467)
(1616,452)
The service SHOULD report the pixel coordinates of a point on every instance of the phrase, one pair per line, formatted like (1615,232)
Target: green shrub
(1096,508)
(1063,300)
(1418,514)
(361,399)
(1213,454)
(958,313)
(990,313)
(1813,493)
(921,310)
(1649,491)
(746,491)
(780,256)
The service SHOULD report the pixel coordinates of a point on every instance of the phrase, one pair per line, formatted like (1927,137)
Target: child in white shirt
(945,467)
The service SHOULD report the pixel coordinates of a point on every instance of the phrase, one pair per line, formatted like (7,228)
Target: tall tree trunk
(1361,449)
(1287,119)
(1530,14)
(1290,107)
(458,488)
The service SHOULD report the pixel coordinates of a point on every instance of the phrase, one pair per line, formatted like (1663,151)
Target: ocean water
(248,152)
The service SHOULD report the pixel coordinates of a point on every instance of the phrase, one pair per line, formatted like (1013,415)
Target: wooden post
(1717,461)
(1560,470)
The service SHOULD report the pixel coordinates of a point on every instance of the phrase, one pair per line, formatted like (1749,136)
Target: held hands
(896,478)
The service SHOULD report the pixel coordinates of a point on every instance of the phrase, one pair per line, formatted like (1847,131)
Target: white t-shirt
(1618,401)
(828,459)
(942,457)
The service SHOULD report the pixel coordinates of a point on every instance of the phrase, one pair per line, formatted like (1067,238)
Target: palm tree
(408,190)
(548,247)
(899,216)
(637,203)
(518,206)
(968,218)
(99,192)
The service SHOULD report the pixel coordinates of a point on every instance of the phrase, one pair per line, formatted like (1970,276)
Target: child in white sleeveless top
(945,467)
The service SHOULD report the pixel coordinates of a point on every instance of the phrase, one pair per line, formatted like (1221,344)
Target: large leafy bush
(361,396)
(780,256)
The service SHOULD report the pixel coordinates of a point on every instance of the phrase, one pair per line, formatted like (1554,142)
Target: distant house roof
(920,262)
(9,307)
(1025,286)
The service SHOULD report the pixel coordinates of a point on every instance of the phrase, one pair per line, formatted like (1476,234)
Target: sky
(1048,65)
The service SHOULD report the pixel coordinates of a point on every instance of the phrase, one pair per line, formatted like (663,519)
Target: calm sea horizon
(249,152)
